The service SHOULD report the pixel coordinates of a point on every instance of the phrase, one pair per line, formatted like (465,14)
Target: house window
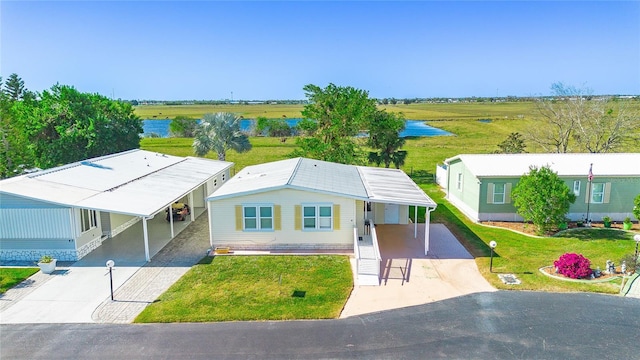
(597,193)
(459,182)
(317,217)
(258,217)
(576,187)
(498,193)
(88,219)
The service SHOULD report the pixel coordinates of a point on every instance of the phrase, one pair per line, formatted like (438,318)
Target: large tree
(220,132)
(574,119)
(14,87)
(183,126)
(273,128)
(65,125)
(15,153)
(332,119)
(513,144)
(542,198)
(611,124)
(384,136)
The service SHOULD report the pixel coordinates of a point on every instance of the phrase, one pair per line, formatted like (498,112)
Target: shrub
(573,265)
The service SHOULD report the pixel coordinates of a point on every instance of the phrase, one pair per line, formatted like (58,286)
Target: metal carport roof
(135,182)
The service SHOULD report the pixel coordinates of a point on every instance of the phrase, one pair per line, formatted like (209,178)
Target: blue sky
(169,50)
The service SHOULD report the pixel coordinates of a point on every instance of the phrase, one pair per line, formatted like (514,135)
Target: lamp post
(492,245)
(110,265)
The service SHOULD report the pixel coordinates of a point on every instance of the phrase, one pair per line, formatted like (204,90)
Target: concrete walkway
(632,288)
(411,278)
(148,283)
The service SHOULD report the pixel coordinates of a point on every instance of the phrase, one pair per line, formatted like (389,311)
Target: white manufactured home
(303,204)
(68,211)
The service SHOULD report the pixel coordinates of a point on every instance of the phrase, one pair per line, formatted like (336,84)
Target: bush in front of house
(573,265)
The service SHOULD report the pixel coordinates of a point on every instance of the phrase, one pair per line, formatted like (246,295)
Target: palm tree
(220,132)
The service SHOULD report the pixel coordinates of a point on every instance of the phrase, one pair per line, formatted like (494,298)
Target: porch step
(368,280)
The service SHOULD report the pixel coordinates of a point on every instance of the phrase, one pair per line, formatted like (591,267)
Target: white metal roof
(358,182)
(569,164)
(135,182)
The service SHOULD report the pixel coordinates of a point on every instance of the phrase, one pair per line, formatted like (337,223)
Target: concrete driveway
(411,278)
(73,292)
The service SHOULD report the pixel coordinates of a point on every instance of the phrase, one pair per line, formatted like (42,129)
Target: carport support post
(146,239)
(171,219)
(427,222)
(415,222)
(193,213)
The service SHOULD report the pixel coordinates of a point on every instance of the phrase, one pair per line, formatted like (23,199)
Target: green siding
(469,193)
(620,196)
(485,194)
(622,192)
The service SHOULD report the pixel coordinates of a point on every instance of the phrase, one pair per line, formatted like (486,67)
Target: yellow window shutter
(298,217)
(490,193)
(507,193)
(238,217)
(277,217)
(607,192)
(336,217)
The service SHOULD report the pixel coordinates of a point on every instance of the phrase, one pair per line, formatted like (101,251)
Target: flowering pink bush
(574,266)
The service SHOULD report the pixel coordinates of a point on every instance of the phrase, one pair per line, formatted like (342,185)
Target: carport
(150,197)
(70,210)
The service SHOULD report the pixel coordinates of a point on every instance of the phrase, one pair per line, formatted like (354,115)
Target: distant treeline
(381,101)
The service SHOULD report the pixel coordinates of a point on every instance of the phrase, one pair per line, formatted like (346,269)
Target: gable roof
(568,164)
(357,182)
(134,182)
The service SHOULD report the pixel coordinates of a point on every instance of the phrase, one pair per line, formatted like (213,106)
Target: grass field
(232,288)
(196,111)
(421,111)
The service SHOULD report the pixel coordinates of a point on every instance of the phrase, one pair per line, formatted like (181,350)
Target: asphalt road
(498,325)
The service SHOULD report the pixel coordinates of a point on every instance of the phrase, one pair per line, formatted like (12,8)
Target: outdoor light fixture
(493,245)
(110,265)
(637,239)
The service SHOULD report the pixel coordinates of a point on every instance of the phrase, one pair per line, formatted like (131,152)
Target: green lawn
(231,288)
(10,277)
(523,255)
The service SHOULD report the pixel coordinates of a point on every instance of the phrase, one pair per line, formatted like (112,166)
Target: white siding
(35,224)
(223,222)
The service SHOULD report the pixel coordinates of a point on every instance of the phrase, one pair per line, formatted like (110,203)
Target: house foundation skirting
(233,246)
(35,254)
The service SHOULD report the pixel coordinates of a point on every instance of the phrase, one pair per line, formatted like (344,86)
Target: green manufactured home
(480,184)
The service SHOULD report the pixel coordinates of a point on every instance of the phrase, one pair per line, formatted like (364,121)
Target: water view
(415,128)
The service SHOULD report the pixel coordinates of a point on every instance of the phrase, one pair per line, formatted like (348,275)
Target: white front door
(391,213)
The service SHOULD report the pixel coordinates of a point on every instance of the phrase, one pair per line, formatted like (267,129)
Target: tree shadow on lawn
(586,234)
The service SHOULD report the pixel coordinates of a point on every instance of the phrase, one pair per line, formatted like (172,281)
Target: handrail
(374,240)
(356,248)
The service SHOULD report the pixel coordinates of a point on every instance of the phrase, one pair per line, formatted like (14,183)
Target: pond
(414,128)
